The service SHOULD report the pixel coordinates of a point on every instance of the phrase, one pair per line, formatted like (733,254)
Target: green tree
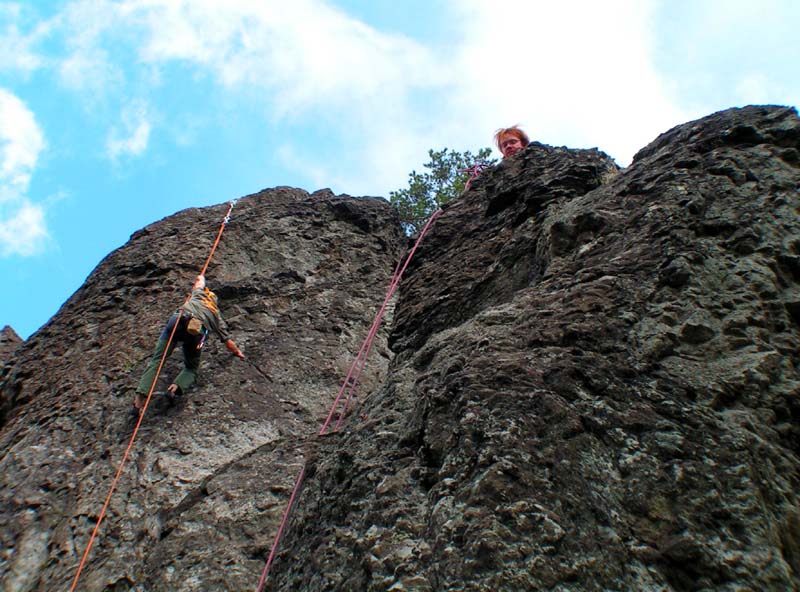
(444,181)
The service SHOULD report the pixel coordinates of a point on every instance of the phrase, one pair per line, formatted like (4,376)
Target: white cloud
(576,73)
(87,65)
(753,89)
(307,60)
(315,63)
(87,69)
(310,53)
(23,231)
(726,53)
(84,65)
(16,49)
(134,137)
(21,141)
(22,223)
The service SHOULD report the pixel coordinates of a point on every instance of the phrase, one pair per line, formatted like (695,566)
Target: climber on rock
(199,315)
(511,140)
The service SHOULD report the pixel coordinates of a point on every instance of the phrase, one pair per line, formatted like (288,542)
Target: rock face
(299,278)
(595,387)
(9,341)
(593,384)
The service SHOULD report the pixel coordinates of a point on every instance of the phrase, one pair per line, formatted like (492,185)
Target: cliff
(299,279)
(590,382)
(9,341)
(595,384)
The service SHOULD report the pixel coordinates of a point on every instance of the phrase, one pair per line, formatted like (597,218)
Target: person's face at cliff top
(510,145)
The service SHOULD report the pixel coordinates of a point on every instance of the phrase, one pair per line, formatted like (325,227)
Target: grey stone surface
(595,384)
(9,341)
(591,383)
(299,278)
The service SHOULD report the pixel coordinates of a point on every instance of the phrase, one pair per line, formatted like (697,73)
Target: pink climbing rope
(361,357)
(367,346)
(474,171)
(285,519)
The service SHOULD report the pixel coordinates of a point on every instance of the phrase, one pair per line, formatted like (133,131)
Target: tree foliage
(443,182)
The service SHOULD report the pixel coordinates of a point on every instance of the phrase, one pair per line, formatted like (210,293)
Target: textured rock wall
(299,278)
(9,341)
(593,386)
(596,384)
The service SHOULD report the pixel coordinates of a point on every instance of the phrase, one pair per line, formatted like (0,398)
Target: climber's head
(510,140)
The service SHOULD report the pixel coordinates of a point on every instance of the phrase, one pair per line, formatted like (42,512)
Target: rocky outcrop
(299,278)
(596,383)
(591,383)
(9,341)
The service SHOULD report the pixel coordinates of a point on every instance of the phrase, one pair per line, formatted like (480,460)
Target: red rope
(365,348)
(141,414)
(361,360)
(362,356)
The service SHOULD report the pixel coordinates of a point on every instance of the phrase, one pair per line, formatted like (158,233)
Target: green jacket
(203,306)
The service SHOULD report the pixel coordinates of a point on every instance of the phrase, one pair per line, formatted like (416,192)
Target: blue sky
(114,114)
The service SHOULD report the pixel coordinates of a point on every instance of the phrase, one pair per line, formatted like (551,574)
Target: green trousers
(191,357)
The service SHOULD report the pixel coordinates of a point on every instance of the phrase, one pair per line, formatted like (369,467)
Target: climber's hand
(233,349)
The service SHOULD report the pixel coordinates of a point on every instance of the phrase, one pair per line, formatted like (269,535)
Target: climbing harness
(350,381)
(202,341)
(143,409)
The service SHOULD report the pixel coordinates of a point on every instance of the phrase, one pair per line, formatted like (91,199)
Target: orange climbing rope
(222,226)
(349,383)
(144,408)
